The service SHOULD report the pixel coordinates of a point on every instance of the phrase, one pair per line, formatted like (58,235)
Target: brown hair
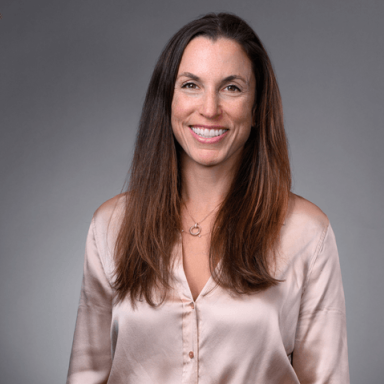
(246,230)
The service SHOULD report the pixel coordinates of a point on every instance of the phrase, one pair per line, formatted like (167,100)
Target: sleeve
(320,354)
(91,360)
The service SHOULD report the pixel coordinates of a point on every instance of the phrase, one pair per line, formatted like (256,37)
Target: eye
(189,86)
(232,88)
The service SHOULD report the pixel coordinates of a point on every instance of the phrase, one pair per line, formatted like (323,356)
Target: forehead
(223,56)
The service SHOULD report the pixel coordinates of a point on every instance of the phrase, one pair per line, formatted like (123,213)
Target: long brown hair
(246,230)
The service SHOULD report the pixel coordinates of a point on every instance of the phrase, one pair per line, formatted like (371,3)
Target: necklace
(196,229)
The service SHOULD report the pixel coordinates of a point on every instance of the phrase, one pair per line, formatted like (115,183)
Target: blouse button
(193,305)
(191,355)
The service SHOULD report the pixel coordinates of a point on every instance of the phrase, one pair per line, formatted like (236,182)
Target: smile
(208,133)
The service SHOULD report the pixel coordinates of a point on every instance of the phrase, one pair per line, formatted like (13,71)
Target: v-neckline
(186,289)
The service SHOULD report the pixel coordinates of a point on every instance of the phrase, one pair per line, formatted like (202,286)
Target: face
(213,101)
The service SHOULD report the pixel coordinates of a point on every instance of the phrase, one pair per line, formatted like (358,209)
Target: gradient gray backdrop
(73,75)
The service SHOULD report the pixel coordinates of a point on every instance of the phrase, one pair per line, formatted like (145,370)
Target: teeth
(208,133)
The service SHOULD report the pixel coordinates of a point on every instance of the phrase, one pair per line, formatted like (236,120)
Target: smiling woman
(212,107)
(251,291)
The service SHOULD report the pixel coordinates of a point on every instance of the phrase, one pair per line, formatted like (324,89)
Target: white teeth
(208,133)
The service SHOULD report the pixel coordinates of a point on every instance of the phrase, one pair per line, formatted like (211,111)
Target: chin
(209,162)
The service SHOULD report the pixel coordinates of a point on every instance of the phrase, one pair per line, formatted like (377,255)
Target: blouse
(294,332)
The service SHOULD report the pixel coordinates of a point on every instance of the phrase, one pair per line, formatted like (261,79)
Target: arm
(91,351)
(320,355)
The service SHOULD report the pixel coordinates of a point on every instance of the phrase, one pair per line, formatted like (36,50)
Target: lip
(208,126)
(206,140)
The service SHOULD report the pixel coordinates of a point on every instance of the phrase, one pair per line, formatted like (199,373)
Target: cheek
(242,116)
(242,113)
(180,107)
(178,114)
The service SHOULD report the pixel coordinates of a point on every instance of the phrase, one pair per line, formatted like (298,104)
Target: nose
(210,107)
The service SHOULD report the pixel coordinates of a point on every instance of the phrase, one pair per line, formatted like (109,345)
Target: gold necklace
(196,229)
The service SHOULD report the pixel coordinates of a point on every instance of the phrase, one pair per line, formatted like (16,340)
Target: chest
(195,254)
(208,336)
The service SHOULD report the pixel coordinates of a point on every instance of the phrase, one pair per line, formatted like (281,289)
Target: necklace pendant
(195,230)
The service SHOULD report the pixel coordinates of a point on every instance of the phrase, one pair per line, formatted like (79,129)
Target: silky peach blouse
(294,332)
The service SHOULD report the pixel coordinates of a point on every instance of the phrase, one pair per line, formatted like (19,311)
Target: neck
(204,188)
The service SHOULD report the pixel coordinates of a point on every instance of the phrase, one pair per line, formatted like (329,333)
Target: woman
(208,270)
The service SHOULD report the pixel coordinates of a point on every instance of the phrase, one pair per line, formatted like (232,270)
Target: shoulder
(302,234)
(111,209)
(106,224)
(304,227)
(302,213)
(108,217)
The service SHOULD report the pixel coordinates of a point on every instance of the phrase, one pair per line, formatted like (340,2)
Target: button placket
(190,346)
(194,331)
(193,354)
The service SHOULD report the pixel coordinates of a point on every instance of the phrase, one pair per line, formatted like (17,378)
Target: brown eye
(232,88)
(189,86)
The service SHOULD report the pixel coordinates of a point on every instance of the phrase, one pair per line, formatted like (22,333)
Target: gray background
(73,75)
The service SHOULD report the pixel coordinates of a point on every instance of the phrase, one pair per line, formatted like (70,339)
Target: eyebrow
(189,74)
(225,80)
